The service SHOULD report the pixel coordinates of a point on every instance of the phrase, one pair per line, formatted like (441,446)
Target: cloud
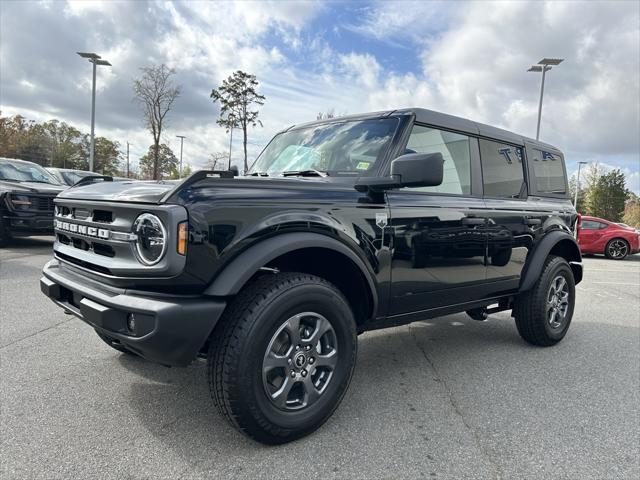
(467,59)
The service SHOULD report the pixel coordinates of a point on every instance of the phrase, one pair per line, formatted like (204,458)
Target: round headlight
(152,238)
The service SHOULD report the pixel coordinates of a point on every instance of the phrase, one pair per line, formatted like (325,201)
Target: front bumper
(20,225)
(169,330)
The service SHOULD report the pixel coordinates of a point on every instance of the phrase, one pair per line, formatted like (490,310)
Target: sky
(462,58)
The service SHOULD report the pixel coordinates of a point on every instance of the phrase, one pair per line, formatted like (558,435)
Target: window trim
(523,196)
(532,187)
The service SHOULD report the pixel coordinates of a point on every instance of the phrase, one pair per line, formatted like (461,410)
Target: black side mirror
(418,169)
(410,170)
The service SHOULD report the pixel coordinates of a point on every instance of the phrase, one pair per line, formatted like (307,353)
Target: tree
(632,213)
(218,161)
(606,198)
(106,156)
(166,162)
(326,115)
(156,93)
(582,195)
(237,95)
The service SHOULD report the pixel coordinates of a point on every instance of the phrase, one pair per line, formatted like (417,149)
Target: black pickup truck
(26,199)
(341,226)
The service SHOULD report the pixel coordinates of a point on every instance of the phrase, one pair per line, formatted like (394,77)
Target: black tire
(617,249)
(5,235)
(532,309)
(240,344)
(114,343)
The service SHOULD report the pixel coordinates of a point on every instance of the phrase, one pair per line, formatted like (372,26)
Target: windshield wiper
(259,174)
(305,173)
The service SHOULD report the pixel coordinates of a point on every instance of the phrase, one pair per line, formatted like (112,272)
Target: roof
(16,160)
(431,117)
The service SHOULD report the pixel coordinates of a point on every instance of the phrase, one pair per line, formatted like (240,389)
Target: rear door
(510,225)
(439,239)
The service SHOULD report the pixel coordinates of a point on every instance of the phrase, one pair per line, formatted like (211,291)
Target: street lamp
(543,66)
(95,60)
(181,137)
(575,200)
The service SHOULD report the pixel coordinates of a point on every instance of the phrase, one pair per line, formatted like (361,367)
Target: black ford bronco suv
(341,226)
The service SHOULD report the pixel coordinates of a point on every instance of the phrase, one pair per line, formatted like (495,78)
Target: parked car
(600,236)
(67,176)
(341,226)
(26,199)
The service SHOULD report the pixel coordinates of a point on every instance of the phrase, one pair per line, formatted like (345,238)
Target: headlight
(152,238)
(20,202)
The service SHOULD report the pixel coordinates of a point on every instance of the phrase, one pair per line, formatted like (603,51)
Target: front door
(438,233)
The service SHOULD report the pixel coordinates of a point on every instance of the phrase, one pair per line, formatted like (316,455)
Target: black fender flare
(244,266)
(564,244)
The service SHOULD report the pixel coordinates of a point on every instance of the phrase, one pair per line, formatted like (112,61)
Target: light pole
(128,158)
(181,137)
(543,66)
(95,60)
(575,200)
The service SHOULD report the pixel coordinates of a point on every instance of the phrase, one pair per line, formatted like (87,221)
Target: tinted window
(548,172)
(455,151)
(591,225)
(502,172)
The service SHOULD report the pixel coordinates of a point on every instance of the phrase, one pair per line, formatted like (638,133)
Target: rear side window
(591,225)
(502,172)
(548,172)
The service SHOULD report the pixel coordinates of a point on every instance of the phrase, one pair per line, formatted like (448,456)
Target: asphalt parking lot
(447,398)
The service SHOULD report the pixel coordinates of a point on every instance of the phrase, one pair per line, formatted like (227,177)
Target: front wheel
(617,249)
(282,356)
(543,314)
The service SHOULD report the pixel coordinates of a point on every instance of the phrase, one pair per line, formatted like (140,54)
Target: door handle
(472,221)
(532,221)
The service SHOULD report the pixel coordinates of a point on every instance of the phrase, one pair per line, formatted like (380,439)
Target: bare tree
(156,93)
(217,160)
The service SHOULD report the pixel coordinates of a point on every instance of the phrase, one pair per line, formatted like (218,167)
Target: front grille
(40,203)
(97,236)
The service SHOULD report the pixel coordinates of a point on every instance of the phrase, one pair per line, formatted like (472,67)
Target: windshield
(25,172)
(347,148)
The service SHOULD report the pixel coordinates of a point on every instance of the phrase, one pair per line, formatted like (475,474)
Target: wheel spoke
(322,326)
(293,329)
(330,360)
(280,397)
(311,392)
(272,361)
(561,283)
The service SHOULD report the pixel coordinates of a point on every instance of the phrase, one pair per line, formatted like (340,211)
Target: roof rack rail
(91,178)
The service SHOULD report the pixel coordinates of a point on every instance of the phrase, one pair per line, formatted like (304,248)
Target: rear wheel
(543,314)
(617,249)
(282,356)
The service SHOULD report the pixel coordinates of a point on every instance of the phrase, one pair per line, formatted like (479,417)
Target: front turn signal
(182,238)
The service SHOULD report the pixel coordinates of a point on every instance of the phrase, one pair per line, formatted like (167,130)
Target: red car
(615,240)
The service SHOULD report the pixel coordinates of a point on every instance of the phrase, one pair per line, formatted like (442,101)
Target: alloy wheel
(618,249)
(557,302)
(300,361)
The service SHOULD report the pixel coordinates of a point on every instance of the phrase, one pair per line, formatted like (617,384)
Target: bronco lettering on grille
(82,229)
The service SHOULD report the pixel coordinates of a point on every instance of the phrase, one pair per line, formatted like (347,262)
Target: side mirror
(410,170)
(418,169)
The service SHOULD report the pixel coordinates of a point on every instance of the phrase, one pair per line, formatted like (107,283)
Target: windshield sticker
(363,166)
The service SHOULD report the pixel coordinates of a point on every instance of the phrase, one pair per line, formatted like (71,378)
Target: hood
(135,192)
(31,187)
